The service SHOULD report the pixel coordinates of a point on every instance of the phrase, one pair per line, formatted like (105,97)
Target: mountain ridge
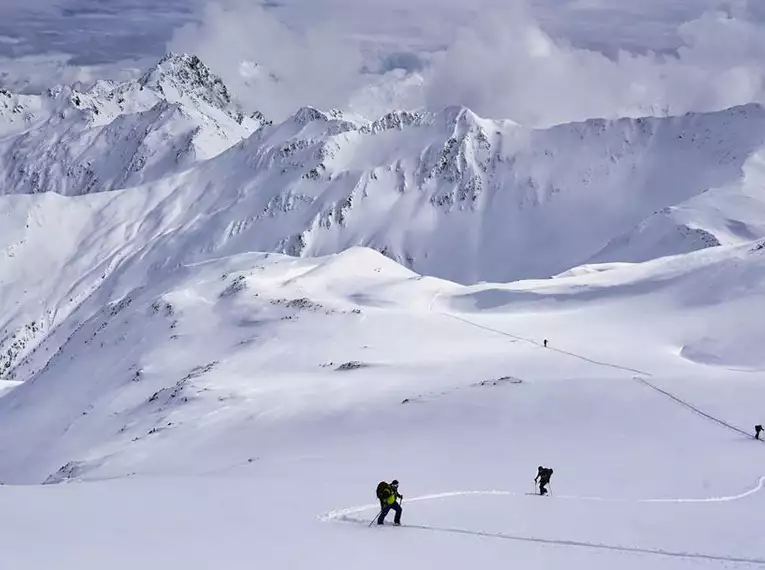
(447,194)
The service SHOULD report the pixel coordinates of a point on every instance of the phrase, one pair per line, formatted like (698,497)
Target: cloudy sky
(537,62)
(105,30)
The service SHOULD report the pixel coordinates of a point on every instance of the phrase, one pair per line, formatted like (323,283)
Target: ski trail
(337,514)
(725,499)
(576,543)
(558,350)
(693,408)
(340,513)
(645,382)
(346,516)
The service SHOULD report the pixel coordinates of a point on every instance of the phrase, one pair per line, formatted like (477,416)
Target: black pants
(385,509)
(542,486)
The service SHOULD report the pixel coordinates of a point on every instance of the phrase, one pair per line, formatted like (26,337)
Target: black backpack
(383,490)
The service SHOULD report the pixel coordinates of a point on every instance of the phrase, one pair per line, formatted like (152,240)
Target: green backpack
(384,492)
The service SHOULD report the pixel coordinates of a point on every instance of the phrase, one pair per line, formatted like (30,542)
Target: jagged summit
(396,120)
(179,74)
(112,135)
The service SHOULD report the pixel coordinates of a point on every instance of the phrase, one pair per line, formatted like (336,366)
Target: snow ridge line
(693,408)
(339,514)
(576,543)
(535,343)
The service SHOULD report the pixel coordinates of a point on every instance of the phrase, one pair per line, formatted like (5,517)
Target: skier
(757,430)
(545,343)
(387,494)
(543,476)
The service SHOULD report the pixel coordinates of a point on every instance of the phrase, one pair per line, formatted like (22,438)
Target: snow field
(274,440)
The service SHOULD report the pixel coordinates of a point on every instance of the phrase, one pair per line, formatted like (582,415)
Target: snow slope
(138,358)
(728,215)
(248,402)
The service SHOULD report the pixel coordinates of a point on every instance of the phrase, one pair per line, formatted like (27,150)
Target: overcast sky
(109,30)
(538,62)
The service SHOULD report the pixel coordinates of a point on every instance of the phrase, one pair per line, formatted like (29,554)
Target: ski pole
(374,519)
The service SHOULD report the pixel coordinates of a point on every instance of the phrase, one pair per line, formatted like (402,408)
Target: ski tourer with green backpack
(387,493)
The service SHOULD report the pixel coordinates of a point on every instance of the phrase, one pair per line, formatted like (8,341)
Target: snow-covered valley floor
(238,413)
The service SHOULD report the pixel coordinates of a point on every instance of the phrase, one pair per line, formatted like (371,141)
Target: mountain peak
(186,74)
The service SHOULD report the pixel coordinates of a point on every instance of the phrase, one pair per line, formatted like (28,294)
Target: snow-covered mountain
(157,343)
(118,135)
(469,199)
(447,194)
(450,195)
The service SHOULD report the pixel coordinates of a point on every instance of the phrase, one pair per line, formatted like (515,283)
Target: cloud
(37,73)
(502,64)
(506,66)
(270,66)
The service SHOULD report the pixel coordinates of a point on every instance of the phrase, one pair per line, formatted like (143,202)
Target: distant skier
(543,476)
(387,494)
(757,430)
(545,343)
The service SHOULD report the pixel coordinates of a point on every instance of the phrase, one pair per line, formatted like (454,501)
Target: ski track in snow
(694,408)
(345,515)
(539,344)
(580,544)
(335,515)
(643,381)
